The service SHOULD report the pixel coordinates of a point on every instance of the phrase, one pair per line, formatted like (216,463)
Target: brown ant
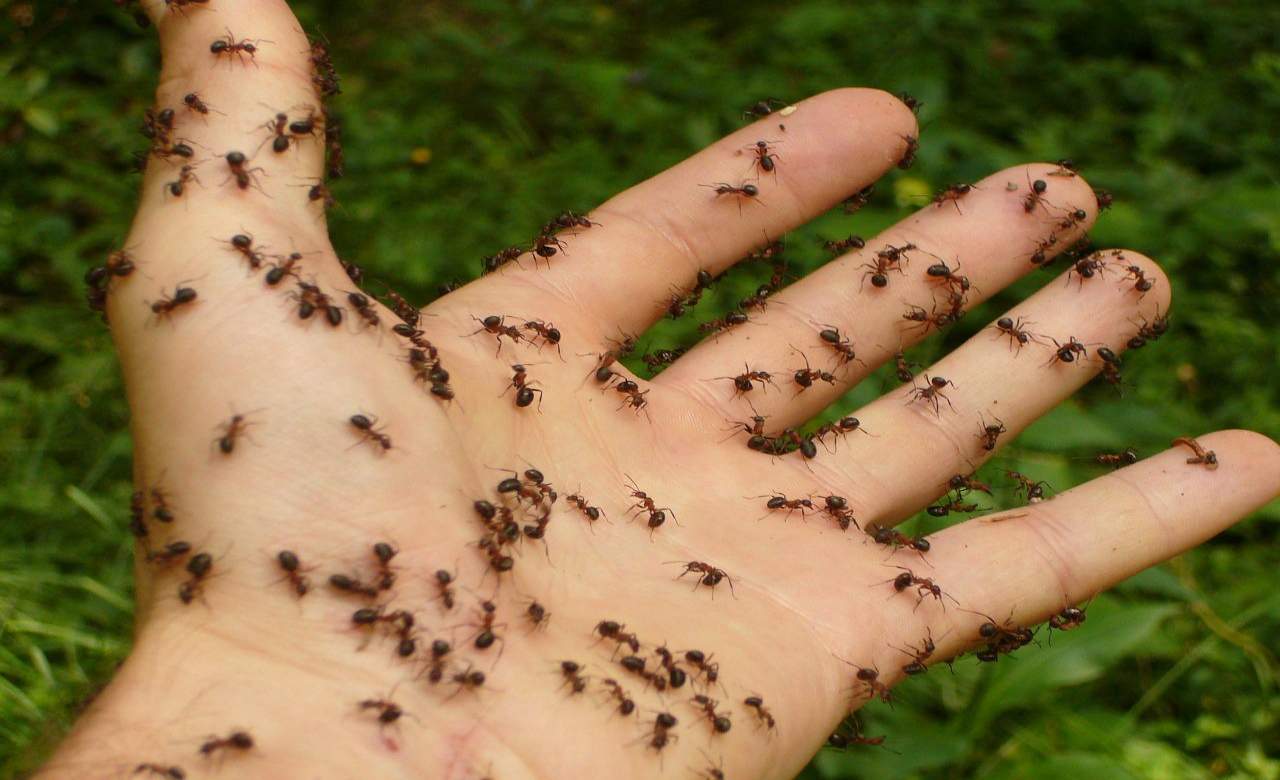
(748,191)
(198,567)
(612,629)
(703,663)
(1034,489)
(349,584)
(991,432)
(902,367)
(243,243)
(645,503)
(388,711)
(676,676)
(1104,199)
(592,513)
(844,244)
(837,508)
(163,512)
(945,508)
(870,677)
(288,561)
(245,177)
(486,636)
(436,666)
(171,552)
(1086,268)
(495,324)
(894,539)
(852,735)
(626,705)
(635,398)
(1040,256)
(444,588)
(364,309)
(365,425)
(965,482)
(320,193)
(1141,283)
(919,655)
(705,574)
(1207,458)
(468,680)
(280,143)
(723,323)
(524,387)
(1016,331)
(1035,197)
(537,615)
(806,376)
(779,501)
(1115,460)
(178,186)
(174,772)
(384,552)
(937,319)
(662,725)
(571,671)
(548,332)
(940,271)
(1067,353)
(661,358)
(763,716)
(843,347)
(1067,619)
(232,430)
(858,199)
(878,269)
(744,382)
(1149,331)
(119,264)
(925,586)
(311,298)
(953,194)
(909,154)
(182,296)
(720,724)
(931,392)
(766,158)
(238,740)
(763,108)
(838,429)
(1001,638)
(230,46)
(195,103)
(1110,366)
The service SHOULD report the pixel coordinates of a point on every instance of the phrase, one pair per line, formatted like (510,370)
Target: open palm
(795,607)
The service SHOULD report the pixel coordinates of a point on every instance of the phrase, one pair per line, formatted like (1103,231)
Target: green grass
(528,108)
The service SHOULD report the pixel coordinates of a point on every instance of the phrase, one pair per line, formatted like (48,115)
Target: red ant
(778,501)
(1066,168)
(231,430)
(162,512)
(548,332)
(182,296)
(955,505)
(703,663)
(645,503)
(238,740)
(937,319)
(1035,196)
(1001,639)
(1207,458)
(1104,199)
(1016,331)
(1087,268)
(468,680)
(365,425)
(723,323)
(198,567)
(842,739)
(705,574)
(288,561)
(870,677)
(436,666)
(661,358)
(1110,366)
(485,638)
(946,274)
(349,584)
(229,46)
(842,346)
(766,159)
(612,629)
(844,244)
(178,186)
(838,429)
(991,432)
(749,191)
(171,553)
(496,325)
(243,243)
(965,482)
(931,392)
(1034,489)
(953,194)
(902,367)
(1066,353)
(806,376)
(311,298)
(194,102)
(364,309)
(763,716)
(720,724)
(276,127)
(1141,283)
(919,655)
(1040,256)
(626,705)
(858,199)
(320,193)
(837,507)
(878,269)
(524,387)
(1117,459)
(744,382)
(504,256)
(895,539)
(444,590)
(1067,619)
(925,586)
(236,162)
(592,513)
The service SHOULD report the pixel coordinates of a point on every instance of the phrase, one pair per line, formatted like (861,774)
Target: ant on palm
(239,48)
(524,387)
(182,296)
(705,574)
(744,382)
(365,425)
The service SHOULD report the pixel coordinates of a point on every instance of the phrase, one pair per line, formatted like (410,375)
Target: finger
(262,67)
(987,233)
(653,238)
(1026,565)
(934,435)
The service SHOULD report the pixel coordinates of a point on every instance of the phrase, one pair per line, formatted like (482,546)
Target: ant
(571,671)
(1034,489)
(245,178)
(844,244)
(524,388)
(1110,366)
(384,552)
(720,724)
(435,669)
(925,319)
(1087,268)
(895,539)
(852,735)
(645,503)
(1035,196)
(496,325)
(1066,353)
(276,126)
(1104,199)
(858,199)
(174,772)
(504,256)
(231,430)
(195,103)
(954,505)
(1001,639)
(1072,219)
(763,715)
(319,192)
(444,590)
(703,663)
(548,332)
(349,584)
(1141,283)
(626,705)
(1016,331)
(1207,458)
(662,725)
(762,108)
(243,243)
(468,679)
(706,574)
(877,270)
(870,676)
(592,513)
(229,46)
(288,561)
(162,512)
(1040,256)
(991,432)
(1067,619)
(365,425)
(778,501)
(486,636)
(198,567)
(612,629)
(537,615)
(675,675)
(932,391)
(838,429)
(962,483)
(239,740)
(953,194)
(842,346)
(364,309)
(119,264)
(749,191)
(171,552)
(806,376)
(388,712)
(404,310)
(182,296)
(1115,460)
(723,323)
(947,275)
(909,154)
(1066,168)
(1150,331)
(310,298)
(186,174)
(925,586)
(744,382)
(838,508)
(766,158)
(902,367)
(662,358)
(919,655)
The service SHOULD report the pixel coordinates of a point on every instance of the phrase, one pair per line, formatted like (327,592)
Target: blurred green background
(468,124)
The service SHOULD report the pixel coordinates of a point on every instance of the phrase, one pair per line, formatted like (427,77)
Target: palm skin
(808,603)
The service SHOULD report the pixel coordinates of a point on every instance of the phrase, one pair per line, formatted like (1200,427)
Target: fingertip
(1241,448)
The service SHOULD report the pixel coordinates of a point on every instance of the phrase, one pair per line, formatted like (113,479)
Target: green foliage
(526,108)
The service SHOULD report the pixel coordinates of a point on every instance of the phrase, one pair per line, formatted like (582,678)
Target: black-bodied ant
(537,615)
(1141,283)
(662,726)
(198,567)
(292,566)
(747,191)
(779,501)
(1067,619)
(496,324)
(705,574)
(245,177)
(763,716)
(1206,458)
(164,308)
(363,308)
(524,387)
(869,677)
(842,346)
(661,358)
(894,539)
(919,655)
(842,245)
(349,584)
(805,377)
(171,771)
(276,127)
(170,553)
(1067,353)
(571,671)
(612,629)
(236,740)
(765,158)
(1035,196)
(925,586)
(990,432)
(195,103)
(178,186)
(745,382)
(486,636)
(364,424)
(388,711)
(1016,331)
(383,552)
(546,331)
(440,649)
(931,392)
(720,724)
(243,243)
(230,46)
(626,705)
(592,513)
(646,504)
(721,324)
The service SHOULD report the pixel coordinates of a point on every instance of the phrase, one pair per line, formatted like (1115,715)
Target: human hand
(806,598)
